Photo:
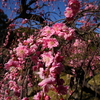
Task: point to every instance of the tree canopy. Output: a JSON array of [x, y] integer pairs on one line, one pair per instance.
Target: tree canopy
[[51, 50]]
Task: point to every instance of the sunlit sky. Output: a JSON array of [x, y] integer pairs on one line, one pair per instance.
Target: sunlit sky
[[56, 9]]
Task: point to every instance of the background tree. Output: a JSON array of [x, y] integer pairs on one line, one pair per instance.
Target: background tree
[[3, 26], [72, 45]]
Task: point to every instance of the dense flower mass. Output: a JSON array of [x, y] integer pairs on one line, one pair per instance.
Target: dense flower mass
[[46, 62], [47, 31], [47, 58], [72, 9], [69, 12], [55, 61], [74, 4], [22, 51]]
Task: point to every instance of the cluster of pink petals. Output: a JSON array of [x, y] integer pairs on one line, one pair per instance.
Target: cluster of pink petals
[[58, 58], [49, 74], [72, 9], [50, 43], [79, 43], [12, 25], [74, 4], [47, 58], [56, 69], [28, 41], [46, 81], [63, 31], [70, 35], [13, 86], [91, 6], [24, 21], [47, 31], [12, 63], [47, 62], [58, 29], [42, 73], [22, 51], [40, 95], [69, 12]]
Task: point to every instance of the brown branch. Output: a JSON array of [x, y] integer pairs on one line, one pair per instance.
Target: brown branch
[[31, 2], [23, 14], [33, 17], [91, 89], [96, 26]]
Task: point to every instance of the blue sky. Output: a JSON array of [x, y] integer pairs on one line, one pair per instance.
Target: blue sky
[[52, 8], [56, 7]]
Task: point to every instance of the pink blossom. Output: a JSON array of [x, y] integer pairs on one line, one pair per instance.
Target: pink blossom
[[91, 74], [30, 84], [79, 43], [47, 81], [33, 48], [47, 58], [28, 41], [22, 51], [47, 31], [7, 92], [38, 96], [13, 86], [74, 4], [69, 12], [58, 57], [90, 6], [41, 73], [24, 21], [51, 42], [59, 26], [12, 25], [12, 63], [76, 43], [46, 97], [37, 66], [7, 98], [13, 75], [70, 34], [56, 69]]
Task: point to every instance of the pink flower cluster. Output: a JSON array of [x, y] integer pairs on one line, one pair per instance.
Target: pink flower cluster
[[24, 21], [72, 9], [50, 75], [46, 62], [58, 29], [63, 31], [90, 6]]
